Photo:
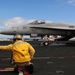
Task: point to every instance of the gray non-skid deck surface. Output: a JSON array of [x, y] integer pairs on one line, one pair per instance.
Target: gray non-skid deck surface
[[48, 60], [8, 73]]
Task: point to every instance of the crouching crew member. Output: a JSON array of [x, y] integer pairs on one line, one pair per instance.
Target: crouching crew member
[[22, 54]]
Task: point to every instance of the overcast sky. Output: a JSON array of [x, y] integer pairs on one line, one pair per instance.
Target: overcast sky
[[19, 12]]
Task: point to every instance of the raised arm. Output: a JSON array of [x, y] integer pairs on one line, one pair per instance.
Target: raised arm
[[8, 47]]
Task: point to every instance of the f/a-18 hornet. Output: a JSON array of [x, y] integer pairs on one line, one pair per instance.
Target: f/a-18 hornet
[[42, 28]]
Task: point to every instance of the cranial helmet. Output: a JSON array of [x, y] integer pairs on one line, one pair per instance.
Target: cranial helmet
[[17, 36]]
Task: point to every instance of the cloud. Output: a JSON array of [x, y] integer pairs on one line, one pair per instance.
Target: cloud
[[1, 22], [15, 21], [71, 2]]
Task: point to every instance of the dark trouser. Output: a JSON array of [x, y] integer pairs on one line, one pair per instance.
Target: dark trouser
[[27, 66]]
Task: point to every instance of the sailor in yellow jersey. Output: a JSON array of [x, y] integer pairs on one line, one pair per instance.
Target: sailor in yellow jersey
[[22, 53]]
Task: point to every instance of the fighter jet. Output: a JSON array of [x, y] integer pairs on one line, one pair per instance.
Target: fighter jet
[[42, 28]]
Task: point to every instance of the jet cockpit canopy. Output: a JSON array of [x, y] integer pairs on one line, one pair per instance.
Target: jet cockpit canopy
[[38, 22]]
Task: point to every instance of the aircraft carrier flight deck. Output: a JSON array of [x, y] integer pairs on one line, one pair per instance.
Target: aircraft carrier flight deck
[[48, 60]]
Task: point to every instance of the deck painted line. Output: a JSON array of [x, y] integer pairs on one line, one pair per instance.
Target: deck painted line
[[9, 68], [6, 69]]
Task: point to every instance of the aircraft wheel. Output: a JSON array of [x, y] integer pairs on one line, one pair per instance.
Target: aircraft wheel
[[46, 43]]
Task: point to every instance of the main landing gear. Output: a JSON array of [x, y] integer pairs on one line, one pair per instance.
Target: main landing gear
[[44, 43]]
